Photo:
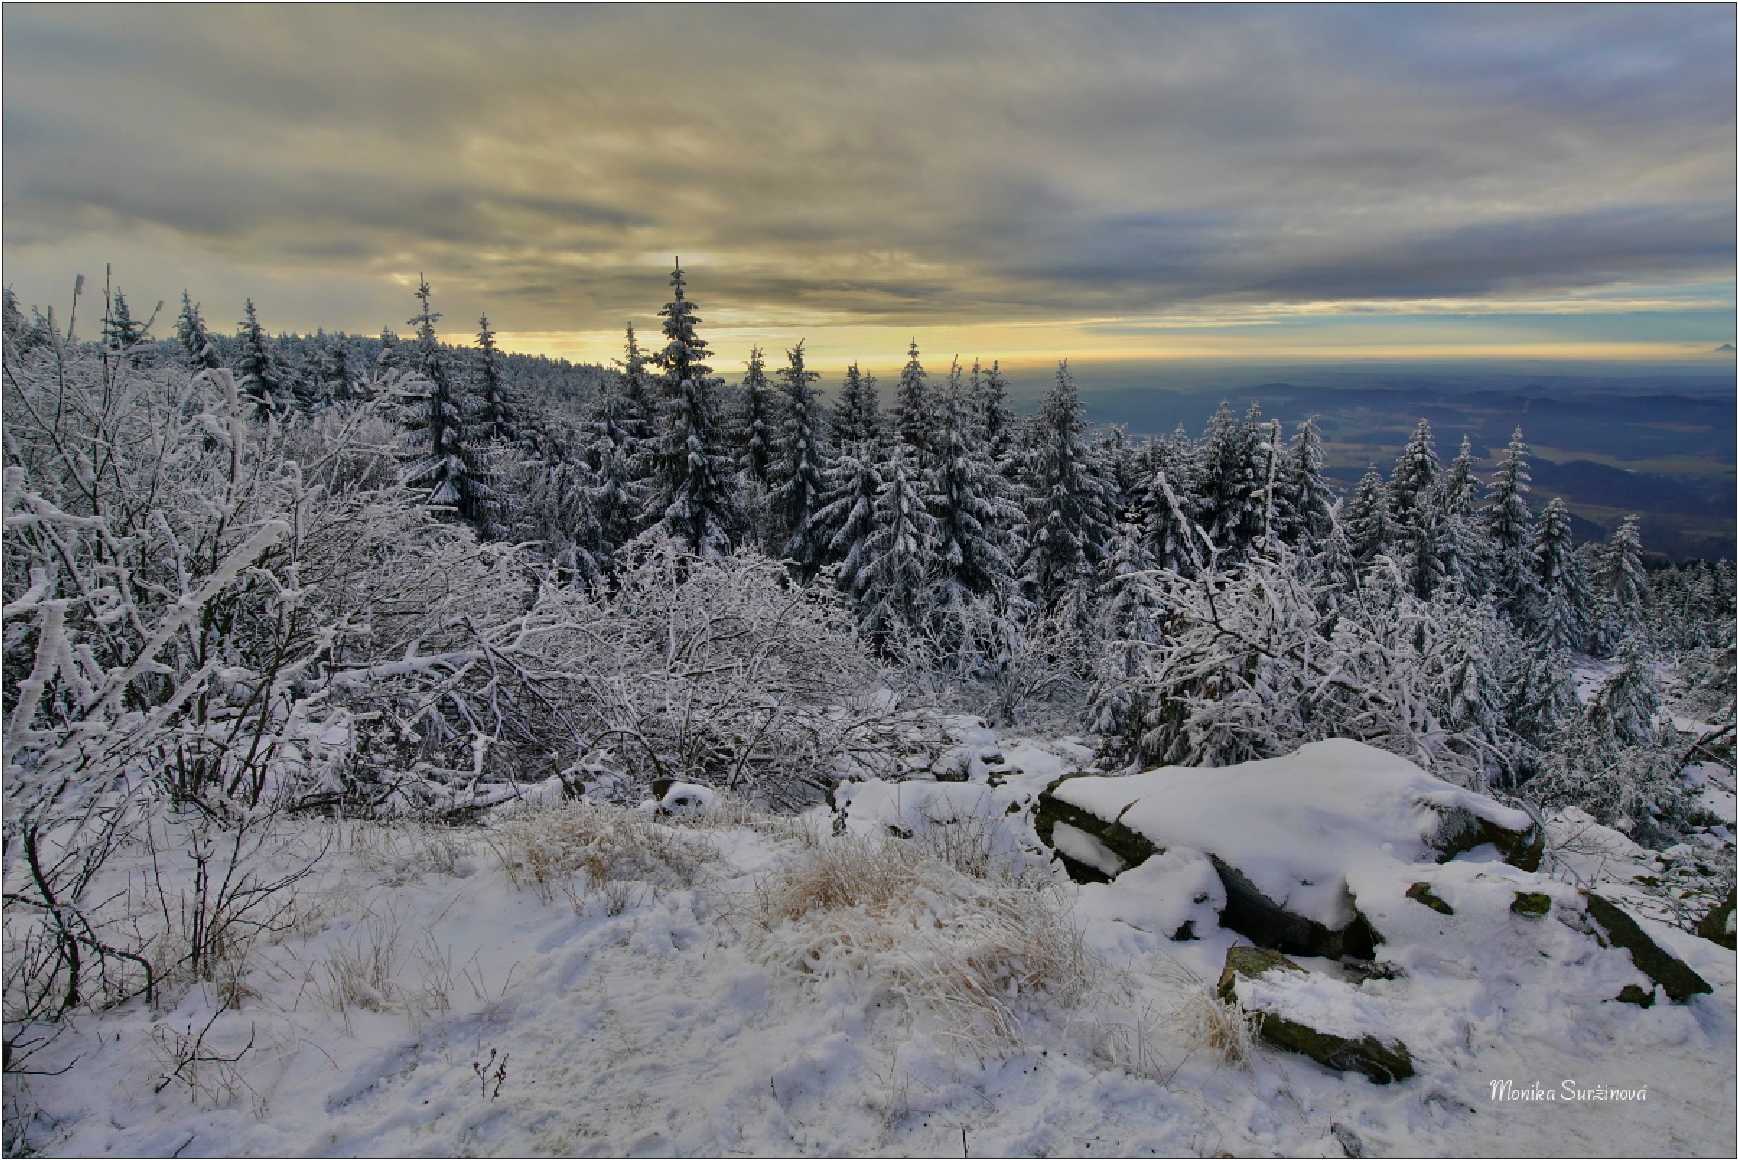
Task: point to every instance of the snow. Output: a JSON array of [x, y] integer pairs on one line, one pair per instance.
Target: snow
[[1292, 824], [667, 1018]]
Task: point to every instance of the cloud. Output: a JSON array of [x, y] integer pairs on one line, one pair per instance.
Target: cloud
[[898, 167]]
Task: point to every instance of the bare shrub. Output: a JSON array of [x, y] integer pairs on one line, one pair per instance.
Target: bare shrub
[[206, 1073], [230, 896]]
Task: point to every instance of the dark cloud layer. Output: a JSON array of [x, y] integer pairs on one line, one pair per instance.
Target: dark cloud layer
[[868, 165]]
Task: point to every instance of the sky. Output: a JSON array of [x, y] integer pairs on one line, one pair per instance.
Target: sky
[[1024, 183]]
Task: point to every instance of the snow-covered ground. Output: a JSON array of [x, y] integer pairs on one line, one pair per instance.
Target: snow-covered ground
[[699, 987]]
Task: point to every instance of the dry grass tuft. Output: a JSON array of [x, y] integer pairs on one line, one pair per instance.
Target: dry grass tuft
[[980, 953], [544, 849], [362, 972], [848, 873]]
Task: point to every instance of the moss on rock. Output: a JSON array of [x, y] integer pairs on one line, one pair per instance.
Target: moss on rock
[[1421, 892], [1680, 982], [1382, 1061]]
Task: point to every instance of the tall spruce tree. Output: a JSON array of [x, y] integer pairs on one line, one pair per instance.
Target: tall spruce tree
[[1560, 614], [259, 374], [120, 330], [194, 338], [914, 417], [847, 519], [800, 468], [442, 461], [639, 407], [495, 418], [969, 507], [857, 417], [1508, 519], [1309, 499], [691, 500], [1170, 537], [1626, 704], [1458, 495], [1368, 526], [1411, 486], [898, 562], [1133, 619], [1227, 483], [757, 425], [998, 419], [1067, 518], [1622, 578]]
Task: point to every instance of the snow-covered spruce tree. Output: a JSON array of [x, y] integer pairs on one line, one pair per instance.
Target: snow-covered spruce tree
[[970, 508], [639, 407], [1421, 543], [390, 357], [1170, 537], [557, 504], [617, 493], [801, 464], [1621, 579], [440, 463], [336, 379], [1068, 523], [495, 417], [1637, 789], [194, 338], [1412, 484], [857, 416], [1508, 518], [1559, 616], [847, 519], [121, 331], [913, 410], [1538, 697], [1625, 706], [757, 425], [690, 496], [1614, 761], [13, 324], [1458, 494], [1133, 618], [1470, 697], [997, 420], [1309, 499], [1226, 482], [261, 376], [1462, 548], [894, 577], [1124, 486], [1368, 526], [1508, 523]]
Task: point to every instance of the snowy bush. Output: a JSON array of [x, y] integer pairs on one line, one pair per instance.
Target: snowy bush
[[1253, 661]]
